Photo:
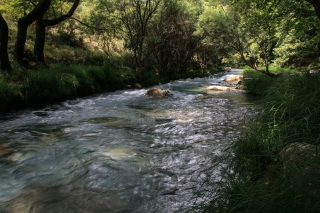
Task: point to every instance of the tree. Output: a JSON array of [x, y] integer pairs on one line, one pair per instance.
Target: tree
[[245, 28], [136, 17], [289, 36], [216, 27], [4, 59], [23, 23], [314, 3], [298, 35], [41, 26], [258, 28], [171, 43]]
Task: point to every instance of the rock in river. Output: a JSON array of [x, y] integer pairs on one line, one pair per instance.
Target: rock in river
[[158, 92], [218, 88]]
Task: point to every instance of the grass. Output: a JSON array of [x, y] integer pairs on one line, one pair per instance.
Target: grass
[[257, 83], [59, 82], [257, 180], [7, 93]]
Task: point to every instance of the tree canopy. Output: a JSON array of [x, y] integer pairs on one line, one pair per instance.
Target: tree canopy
[[170, 36]]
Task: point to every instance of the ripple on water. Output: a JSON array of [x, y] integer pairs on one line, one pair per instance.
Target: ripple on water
[[119, 151], [68, 198]]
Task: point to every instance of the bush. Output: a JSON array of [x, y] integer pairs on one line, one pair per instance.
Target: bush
[[151, 78]]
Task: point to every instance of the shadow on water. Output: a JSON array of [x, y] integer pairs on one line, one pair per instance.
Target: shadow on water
[[67, 198], [120, 151]]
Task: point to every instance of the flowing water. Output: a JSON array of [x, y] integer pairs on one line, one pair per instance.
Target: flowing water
[[120, 151]]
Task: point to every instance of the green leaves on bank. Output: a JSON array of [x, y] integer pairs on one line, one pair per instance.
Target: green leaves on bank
[[60, 82]]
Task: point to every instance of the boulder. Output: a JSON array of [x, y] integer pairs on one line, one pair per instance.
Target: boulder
[[158, 92], [137, 85], [301, 164], [314, 71], [234, 78], [4, 150], [218, 88], [239, 85]]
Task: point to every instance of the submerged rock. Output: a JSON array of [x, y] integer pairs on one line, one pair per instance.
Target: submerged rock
[[158, 92], [218, 88], [228, 69], [4, 150]]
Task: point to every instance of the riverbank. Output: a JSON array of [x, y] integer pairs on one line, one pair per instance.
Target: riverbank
[[60, 82], [275, 167]]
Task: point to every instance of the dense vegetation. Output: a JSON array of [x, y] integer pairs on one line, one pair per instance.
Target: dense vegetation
[[167, 37], [54, 50]]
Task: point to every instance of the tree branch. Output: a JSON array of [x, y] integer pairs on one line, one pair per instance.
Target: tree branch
[[93, 27]]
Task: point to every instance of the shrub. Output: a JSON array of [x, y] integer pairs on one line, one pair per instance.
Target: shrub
[[151, 78]]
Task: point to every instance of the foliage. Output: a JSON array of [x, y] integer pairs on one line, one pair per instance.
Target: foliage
[[216, 26], [171, 40], [150, 78], [298, 39], [170, 37]]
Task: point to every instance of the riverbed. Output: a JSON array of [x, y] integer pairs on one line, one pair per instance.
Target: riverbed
[[121, 151]]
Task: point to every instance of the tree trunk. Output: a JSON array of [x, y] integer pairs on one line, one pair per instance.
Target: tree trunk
[[4, 58], [40, 40], [23, 24], [42, 24]]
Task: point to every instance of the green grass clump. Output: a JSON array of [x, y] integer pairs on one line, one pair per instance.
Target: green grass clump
[[257, 83], [293, 105], [48, 84], [7, 94], [240, 196]]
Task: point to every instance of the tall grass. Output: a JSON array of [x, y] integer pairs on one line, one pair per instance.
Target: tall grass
[[257, 181], [61, 81], [8, 93], [46, 84]]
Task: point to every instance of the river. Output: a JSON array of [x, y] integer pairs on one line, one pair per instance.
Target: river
[[120, 151]]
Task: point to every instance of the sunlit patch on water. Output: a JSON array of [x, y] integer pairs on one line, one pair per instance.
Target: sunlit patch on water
[[120, 151]]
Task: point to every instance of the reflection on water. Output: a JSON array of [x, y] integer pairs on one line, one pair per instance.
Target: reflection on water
[[119, 151]]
